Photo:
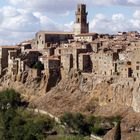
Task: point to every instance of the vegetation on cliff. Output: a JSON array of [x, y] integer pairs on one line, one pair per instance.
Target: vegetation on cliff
[[80, 124]]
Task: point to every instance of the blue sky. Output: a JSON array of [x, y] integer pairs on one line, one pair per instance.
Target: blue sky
[[21, 19]]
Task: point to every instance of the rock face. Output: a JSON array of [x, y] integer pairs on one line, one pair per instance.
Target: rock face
[[81, 92], [30, 86], [89, 94], [110, 135]]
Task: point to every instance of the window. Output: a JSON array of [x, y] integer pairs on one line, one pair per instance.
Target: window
[[78, 20], [39, 36], [137, 67], [78, 9]]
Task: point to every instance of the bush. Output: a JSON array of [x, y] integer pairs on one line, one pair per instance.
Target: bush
[[77, 122], [39, 65], [98, 131], [67, 119], [84, 125], [18, 124], [9, 99]]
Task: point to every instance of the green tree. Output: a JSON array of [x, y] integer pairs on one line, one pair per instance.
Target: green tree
[[9, 99], [76, 122], [18, 124]]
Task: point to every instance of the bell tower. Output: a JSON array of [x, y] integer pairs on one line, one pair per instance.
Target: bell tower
[[81, 25]]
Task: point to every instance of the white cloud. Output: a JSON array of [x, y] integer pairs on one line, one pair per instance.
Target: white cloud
[[66, 5], [25, 17], [136, 15], [53, 6], [19, 24], [118, 17], [118, 22], [136, 2]]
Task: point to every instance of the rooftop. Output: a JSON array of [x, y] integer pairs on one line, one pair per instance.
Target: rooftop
[[57, 33], [87, 34], [10, 47]]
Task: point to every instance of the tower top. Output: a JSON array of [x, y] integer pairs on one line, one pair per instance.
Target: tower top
[[81, 25]]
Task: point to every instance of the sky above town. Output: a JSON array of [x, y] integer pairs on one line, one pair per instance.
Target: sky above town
[[21, 19]]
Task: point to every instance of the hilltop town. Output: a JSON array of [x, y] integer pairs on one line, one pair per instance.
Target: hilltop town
[[53, 55], [67, 71], [93, 53], [100, 55]]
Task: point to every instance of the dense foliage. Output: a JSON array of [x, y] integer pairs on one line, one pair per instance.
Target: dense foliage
[[86, 125], [18, 124]]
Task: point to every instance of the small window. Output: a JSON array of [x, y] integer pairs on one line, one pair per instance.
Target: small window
[[39, 36], [137, 67], [78, 9]]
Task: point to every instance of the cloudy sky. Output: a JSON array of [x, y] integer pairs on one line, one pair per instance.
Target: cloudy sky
[[21, 19]]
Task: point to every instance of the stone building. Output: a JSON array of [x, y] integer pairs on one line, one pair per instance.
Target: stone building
[[88, 37], [4, 56], [50, 62], [16, 66], [136, 63], [44, 39], [26, 45], [66, 63], [124, 69], [85, 63], [103, 63]]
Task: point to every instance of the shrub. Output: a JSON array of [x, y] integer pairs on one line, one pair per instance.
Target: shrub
[[39, 65], [9, 99], [98, 131], [18, 124], [76, 122]]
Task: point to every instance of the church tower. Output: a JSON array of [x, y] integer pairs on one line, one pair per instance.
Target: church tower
[[81, 25]]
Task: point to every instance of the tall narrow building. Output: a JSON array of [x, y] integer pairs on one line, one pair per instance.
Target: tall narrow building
[[81, 25]]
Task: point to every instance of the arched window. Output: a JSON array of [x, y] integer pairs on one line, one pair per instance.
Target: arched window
[[78, 9], [78, 20]]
